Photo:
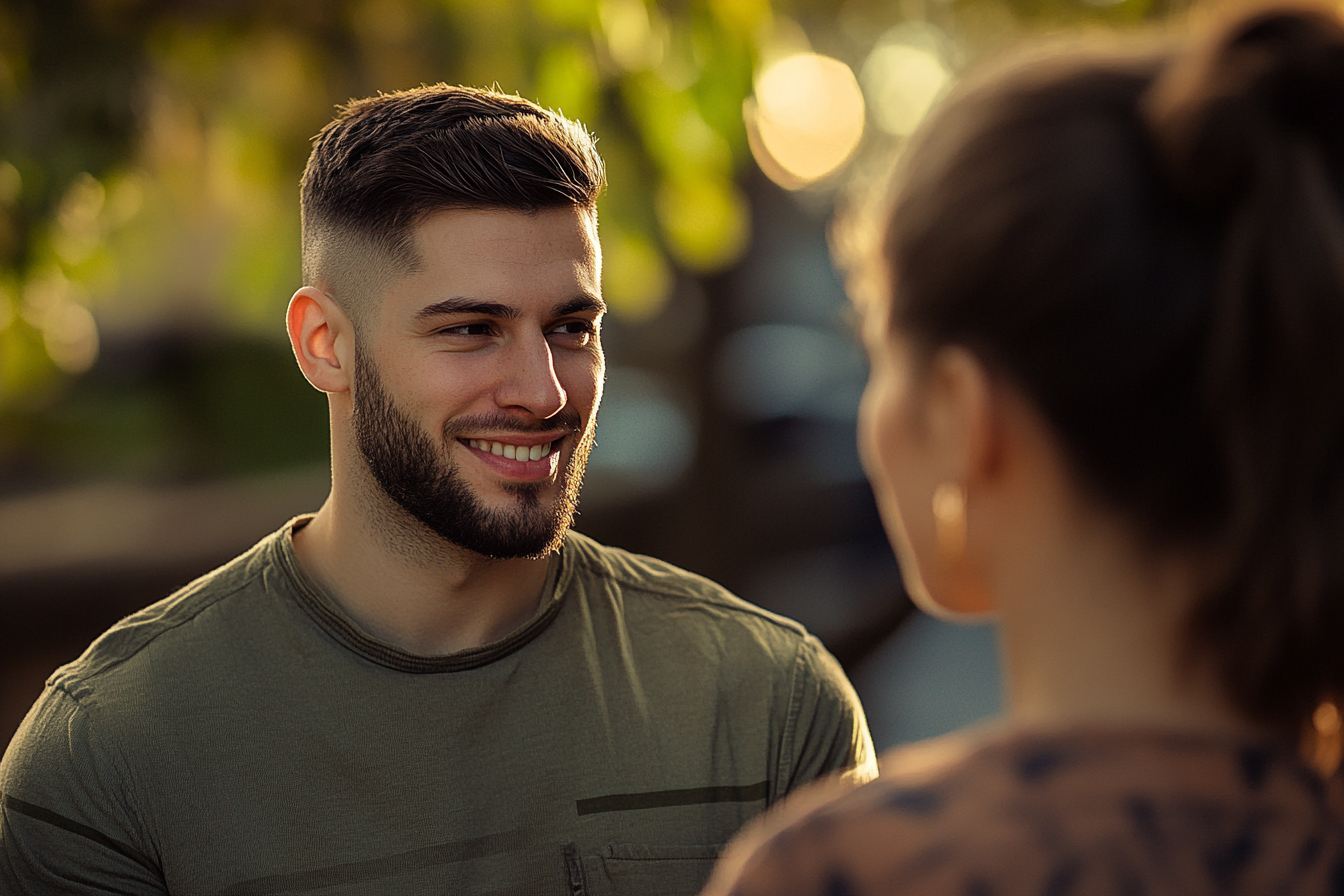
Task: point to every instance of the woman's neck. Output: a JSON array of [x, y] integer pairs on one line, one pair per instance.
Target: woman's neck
[[1092, 633]]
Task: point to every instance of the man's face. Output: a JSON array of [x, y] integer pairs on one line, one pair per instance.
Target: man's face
[[478, 379]]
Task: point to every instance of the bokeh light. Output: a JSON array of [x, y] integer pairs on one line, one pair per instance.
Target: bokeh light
[[11, 183], [786, 370], [805, 119], [69, 332], [634, 39], [636, 278], [903, 76], [645, 438], [71, 337], [705, 221]]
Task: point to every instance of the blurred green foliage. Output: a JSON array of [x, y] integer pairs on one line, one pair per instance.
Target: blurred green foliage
[[150, 152]]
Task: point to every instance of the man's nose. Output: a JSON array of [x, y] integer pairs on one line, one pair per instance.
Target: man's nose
[[529, 381]]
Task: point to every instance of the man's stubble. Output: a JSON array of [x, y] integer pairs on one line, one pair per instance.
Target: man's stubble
[[413, 470]]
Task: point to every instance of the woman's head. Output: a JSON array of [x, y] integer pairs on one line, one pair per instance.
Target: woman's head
[[1149, 247]]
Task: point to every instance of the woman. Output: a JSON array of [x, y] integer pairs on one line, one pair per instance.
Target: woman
[[1107, 404]]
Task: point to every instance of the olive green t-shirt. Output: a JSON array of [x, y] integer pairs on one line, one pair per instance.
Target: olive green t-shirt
[[243, 736]]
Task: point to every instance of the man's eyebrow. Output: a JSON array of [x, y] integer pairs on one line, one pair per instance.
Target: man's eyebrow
[[582, 304], [462, 305]]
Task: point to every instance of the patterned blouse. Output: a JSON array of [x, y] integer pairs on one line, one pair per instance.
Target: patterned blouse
[[1082, 813]]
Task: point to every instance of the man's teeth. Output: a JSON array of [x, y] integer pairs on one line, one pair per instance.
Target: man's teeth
[[512, 452]]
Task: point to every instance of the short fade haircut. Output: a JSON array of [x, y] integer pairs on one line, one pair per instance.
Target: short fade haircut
[[389, 161]]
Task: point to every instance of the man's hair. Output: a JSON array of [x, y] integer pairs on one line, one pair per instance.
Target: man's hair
[[389, 161]]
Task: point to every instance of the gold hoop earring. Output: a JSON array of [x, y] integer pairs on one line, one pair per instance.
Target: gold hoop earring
[[949, 516]]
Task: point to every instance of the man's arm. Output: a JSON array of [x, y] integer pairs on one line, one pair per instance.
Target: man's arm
[[67, 825], [827, 729], [827, 752]]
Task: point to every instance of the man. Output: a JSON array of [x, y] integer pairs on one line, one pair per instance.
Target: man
[[431, 685]]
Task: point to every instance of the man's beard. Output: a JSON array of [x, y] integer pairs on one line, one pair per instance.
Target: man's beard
[[414, 472]]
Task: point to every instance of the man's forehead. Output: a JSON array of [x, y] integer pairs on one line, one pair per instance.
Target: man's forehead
[[516, 263]]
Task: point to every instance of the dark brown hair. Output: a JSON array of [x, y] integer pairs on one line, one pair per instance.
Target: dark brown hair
[[1150, 244], [388, 161]]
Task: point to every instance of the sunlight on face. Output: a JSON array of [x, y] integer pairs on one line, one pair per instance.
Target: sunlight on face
[[489, 368], [884, 434]]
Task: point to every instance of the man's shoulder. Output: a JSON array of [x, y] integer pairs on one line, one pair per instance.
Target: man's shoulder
[[157, 630], [663, 587]]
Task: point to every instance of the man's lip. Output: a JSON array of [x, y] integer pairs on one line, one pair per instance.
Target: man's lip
[[532, 461]]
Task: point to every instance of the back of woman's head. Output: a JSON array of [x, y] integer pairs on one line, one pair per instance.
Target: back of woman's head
[[1150, 245]]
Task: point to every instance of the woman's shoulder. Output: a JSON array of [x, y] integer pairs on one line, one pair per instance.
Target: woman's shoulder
[[1076, 811], [805, 830]]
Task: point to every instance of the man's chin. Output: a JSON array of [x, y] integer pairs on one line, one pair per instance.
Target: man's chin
[[511, 542], [527, 524]]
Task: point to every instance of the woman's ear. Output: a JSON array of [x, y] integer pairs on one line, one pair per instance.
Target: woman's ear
[[965, 429], [963, 415], [322, 338]]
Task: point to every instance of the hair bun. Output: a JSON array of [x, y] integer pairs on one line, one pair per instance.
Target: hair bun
[[1223, 112]]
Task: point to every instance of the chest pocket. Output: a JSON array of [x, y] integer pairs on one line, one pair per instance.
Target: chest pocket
[[642, 869], [667, 860]]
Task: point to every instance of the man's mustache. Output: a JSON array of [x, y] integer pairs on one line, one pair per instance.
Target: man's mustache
[[567, 420]]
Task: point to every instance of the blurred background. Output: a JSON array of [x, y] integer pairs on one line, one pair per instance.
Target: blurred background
[[153, 423]]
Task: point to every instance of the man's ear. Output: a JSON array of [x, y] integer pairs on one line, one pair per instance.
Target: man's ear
[[322, 338]]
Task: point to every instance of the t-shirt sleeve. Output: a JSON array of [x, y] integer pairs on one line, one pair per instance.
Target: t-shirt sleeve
[[828, 731], [68, 823]]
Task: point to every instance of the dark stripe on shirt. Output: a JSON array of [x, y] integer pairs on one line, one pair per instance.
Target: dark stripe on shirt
[[74, 827], [690, 796], [367, 870]]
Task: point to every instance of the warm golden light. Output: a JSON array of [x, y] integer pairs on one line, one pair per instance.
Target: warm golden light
[[71, 337], [68, 328], [636, 278], [805, 119], [1324, 742], [1326, 719], [901, 82], [632, 39]]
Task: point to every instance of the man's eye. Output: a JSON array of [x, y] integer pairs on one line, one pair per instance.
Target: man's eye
[[467, 330], [575, 328]]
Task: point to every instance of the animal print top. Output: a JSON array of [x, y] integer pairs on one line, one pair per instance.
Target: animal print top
[[1082, 813]]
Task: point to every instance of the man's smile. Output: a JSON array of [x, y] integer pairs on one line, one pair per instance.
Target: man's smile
[[512, 451], [519, 457]]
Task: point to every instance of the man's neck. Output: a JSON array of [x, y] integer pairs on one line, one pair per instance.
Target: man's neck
[[414, 592]]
